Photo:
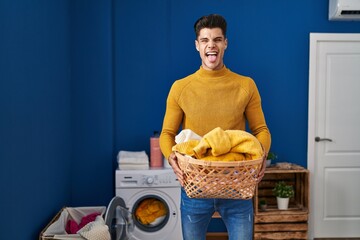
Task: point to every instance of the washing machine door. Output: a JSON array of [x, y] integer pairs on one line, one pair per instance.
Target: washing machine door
[[151, 213], [119, 220]]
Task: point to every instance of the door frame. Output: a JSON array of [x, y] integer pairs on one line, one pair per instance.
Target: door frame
[[313, 74]]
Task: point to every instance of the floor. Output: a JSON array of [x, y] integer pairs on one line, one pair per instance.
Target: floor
[[221, 237], [215, 236]]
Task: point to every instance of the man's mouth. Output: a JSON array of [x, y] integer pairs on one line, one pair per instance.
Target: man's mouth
[[211, 56]]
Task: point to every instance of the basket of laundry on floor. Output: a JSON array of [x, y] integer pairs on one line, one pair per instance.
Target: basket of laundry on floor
[[221, 164]]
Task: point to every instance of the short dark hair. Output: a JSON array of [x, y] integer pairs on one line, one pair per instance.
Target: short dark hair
[[210, 21]]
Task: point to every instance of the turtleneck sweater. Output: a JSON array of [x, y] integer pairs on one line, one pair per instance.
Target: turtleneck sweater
[[206, 100]]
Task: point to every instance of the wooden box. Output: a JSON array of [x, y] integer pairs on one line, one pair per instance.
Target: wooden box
[[282, 224]]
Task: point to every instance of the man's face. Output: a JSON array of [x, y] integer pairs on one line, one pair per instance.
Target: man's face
[[211, 45]]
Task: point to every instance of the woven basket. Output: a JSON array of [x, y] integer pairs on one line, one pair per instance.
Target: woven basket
[[217, 179]]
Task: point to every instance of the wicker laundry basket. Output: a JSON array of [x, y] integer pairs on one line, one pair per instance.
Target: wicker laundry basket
[[217, 179]]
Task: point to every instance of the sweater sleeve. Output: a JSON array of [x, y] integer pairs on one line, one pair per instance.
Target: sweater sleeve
[[171, 123], [256, 119]]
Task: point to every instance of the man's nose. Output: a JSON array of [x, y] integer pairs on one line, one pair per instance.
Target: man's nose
[[212, 44]]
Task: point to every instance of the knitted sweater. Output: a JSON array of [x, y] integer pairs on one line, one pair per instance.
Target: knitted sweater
[[206, 99]]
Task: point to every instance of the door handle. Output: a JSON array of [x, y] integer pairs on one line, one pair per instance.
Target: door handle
[[319, 139]]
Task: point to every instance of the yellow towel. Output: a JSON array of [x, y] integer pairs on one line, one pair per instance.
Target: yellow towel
[[149, 210], [217, 141], [220, 145]]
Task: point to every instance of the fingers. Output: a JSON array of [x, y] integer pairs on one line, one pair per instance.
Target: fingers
[[175, 166], [260, 177], [180, 179], [262, 170]]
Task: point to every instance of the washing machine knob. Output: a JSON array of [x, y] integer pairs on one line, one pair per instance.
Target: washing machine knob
[[149, 180]]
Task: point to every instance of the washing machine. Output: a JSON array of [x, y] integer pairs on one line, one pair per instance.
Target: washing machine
[[146, 191]]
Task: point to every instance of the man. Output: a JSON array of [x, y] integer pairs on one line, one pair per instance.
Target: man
[[213, 97]]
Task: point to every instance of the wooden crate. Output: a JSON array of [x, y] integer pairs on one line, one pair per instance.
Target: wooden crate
[[282, 224]]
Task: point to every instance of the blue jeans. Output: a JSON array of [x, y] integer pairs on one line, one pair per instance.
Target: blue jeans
[[196, 215]]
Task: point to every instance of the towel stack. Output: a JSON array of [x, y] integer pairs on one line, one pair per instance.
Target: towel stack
[[130, 160]]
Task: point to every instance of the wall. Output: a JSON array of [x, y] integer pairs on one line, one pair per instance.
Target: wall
[[35, 121], [92, 107], [142, 63], [56, 124]]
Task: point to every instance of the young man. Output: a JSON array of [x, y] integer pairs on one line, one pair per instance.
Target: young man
[[213, 97]]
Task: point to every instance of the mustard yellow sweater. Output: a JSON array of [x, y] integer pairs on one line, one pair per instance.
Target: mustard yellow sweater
[[206, 99]]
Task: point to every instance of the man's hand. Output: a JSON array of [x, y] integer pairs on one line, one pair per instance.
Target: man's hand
[[173, 161], [262, 170]]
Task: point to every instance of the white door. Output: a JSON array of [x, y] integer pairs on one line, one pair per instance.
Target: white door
[[334, 135]]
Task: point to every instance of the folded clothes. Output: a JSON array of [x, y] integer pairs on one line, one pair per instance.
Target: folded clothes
[[132, 157], [134, 166]]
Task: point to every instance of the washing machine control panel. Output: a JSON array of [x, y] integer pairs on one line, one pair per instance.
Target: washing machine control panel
[[156, 180], [146, 178]]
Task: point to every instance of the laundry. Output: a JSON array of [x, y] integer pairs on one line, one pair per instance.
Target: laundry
[[58, 227], [137, 160], [150, 210], [72, 226], [95, 230], [186, 135], [220, 145]]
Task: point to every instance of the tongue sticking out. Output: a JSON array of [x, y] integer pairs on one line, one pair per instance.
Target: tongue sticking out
[[212, 58]]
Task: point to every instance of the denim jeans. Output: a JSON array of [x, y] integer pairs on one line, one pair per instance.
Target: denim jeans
[[196, 215]]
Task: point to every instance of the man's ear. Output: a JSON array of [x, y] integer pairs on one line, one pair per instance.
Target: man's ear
[[197, 45], [226, 43]]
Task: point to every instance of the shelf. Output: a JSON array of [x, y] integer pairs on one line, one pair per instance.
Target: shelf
[[282, 224], [297, 176]]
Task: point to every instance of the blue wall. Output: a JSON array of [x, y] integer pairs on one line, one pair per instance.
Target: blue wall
[[92, 105], [35, 121], [83, 79]]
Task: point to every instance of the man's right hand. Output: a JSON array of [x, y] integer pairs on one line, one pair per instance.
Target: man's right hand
[[173, 161]]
